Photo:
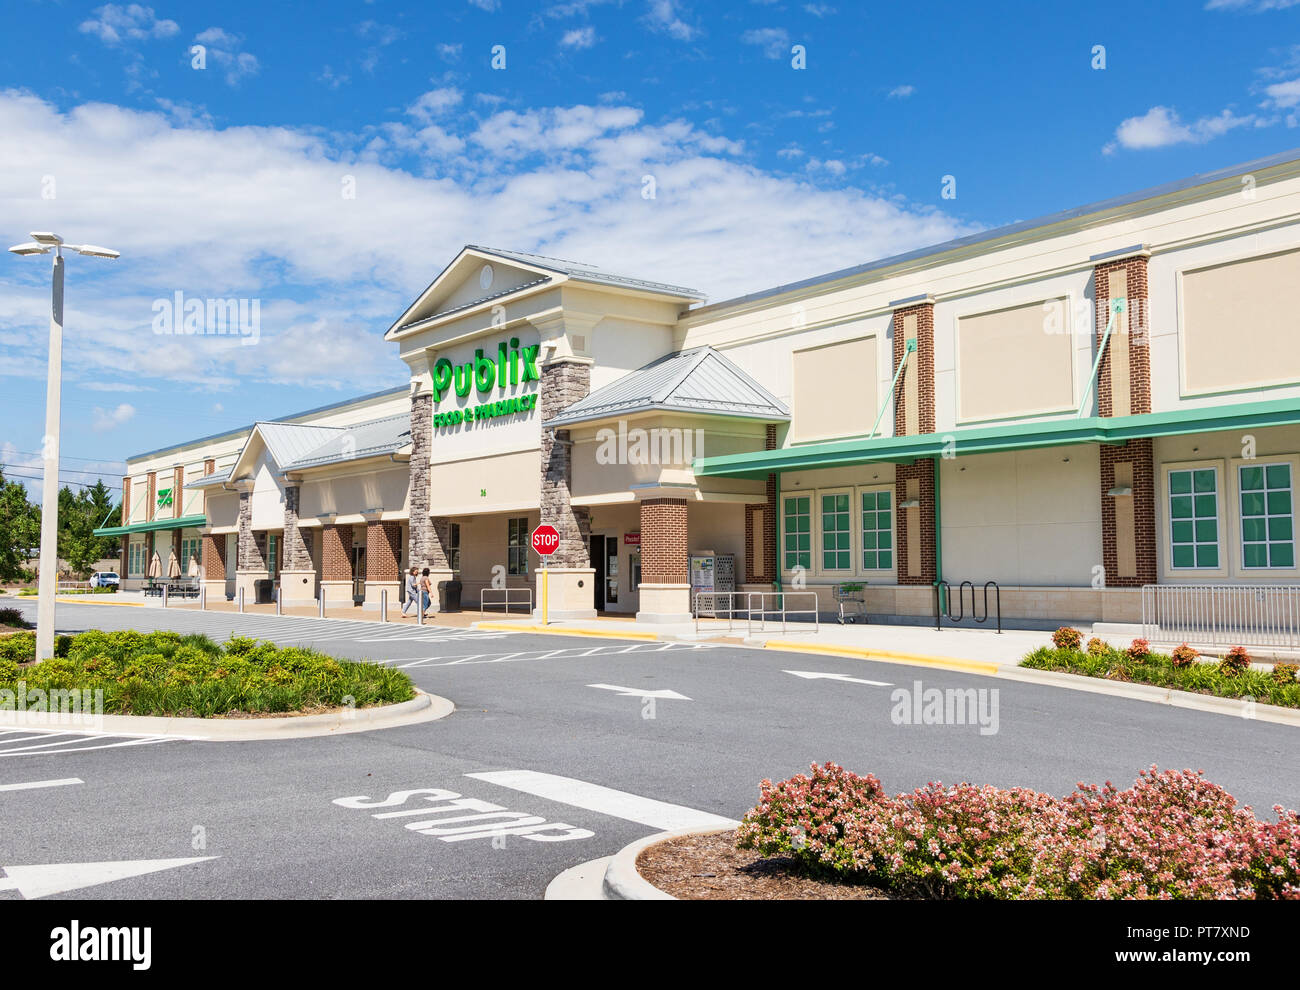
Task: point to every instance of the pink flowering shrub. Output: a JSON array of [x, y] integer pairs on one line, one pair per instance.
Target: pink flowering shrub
[[1097, 647], [1172, 835], [1066, 638], [1183, 655], [1284, 673]]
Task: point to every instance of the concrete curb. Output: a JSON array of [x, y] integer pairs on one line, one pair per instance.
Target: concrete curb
[[89, 600], [579, 883], [422, 708], [623, 882], [1251, 711], [884, 656], [645, 637]]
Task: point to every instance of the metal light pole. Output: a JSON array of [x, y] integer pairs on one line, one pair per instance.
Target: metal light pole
[[45, 243]]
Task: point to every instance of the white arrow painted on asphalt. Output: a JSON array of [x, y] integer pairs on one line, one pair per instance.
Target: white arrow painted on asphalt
[[59, 878], [813, 675], [640, 693]]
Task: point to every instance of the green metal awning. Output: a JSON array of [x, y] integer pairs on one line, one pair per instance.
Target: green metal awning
[[183, 522], [996, 439]]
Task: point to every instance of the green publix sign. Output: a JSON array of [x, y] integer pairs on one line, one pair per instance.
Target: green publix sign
[[512, 366]]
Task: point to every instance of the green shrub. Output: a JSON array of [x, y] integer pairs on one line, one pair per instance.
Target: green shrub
[[1066, 638], [165, 673], [1284, 673], [1236, 661], [13, 617], [1097, 647]]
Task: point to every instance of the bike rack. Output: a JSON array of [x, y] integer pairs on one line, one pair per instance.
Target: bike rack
[[945, 610]]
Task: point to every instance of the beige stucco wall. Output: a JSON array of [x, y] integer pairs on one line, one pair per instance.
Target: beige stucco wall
[[1022, 518], [362, 489], [1014, 343]]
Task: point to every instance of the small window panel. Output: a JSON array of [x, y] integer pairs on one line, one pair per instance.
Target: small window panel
[[877, 531], [517, 547], [836, 555], [1193, 519], [798, 532], [1267, 519]]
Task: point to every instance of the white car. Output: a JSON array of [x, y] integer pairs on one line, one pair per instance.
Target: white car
[[104, 579]]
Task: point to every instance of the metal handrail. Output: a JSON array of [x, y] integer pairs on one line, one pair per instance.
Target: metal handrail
[[752, 603], [1222, 615], [944, 610], [505, 602]]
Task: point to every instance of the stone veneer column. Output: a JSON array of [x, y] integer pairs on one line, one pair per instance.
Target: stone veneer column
[[383, 560], [298, 577], [914, 414], [572, 578], [428, 535], [336, 564], [1128, 522], [251, 563], [665, 592]]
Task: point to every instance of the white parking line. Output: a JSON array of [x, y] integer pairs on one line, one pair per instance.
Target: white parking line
[[34, 784], [604, 800]]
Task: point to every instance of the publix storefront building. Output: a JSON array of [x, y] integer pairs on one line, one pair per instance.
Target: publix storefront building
[[1074, 407]]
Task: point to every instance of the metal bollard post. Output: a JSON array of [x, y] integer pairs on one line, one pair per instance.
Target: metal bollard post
[[241, 601], [320, 603], [203, 598], [164, 596], [383, 604], [419, 607], [278, 607]]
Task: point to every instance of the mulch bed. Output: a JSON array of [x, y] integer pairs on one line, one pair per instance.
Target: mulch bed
[[711, 868]]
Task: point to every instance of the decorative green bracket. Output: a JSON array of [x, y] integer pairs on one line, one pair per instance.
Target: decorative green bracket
[[902, 366], [1116, 307]]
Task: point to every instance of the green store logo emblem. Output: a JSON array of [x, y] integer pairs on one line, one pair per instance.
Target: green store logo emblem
[[513, 366], [164, 497]]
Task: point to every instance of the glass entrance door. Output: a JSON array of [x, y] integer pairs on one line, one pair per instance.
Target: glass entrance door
[[358, 574]]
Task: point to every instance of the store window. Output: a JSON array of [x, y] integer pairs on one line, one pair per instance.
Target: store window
[[877, 531], [517, 546], [453, 546], [135, 563], [189, 551], [1267, 520], [798, 532], [1194, 518], [836, 555], [271, 556]]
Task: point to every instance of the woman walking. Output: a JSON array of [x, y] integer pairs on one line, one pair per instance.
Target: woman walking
[[426, 589], [412, 589]]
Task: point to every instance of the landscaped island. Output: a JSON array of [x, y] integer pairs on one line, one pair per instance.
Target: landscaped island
[[166, 673], [1173, 834], [1181, 669]]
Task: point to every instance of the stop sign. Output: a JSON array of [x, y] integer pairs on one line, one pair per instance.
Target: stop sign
[[545, 540]]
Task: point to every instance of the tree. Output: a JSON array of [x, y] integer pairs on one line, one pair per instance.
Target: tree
[[79, 517], [20, 530]]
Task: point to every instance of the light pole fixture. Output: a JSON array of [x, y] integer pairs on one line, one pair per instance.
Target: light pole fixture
[[43, 242]]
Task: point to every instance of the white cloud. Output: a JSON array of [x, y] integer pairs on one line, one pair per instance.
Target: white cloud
[[263, 213], [114, 24], [223, 48], [775, 42], [902, 92], [1253, 6], [819, 9], [662, 16], [579, 38], [488, 5], [1161, 127], [109, 419], [448, 52], [435, 103]]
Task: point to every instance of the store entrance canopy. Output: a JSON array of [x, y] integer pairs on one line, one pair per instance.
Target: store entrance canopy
[[183, 522]]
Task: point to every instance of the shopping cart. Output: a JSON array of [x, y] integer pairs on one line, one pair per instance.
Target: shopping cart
[[851, 599]]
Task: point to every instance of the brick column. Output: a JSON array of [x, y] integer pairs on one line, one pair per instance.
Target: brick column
[[915, 552], [914, 398], [769, 507], [125, 521], [336, 564], [665, 592], [153, 497], [178, 483], [383, 557], [212, 558], [1128, 522]]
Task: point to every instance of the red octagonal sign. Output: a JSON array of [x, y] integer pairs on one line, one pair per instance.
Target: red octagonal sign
[[545, 540]]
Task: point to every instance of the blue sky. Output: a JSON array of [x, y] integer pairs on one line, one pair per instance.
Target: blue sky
[[225, 175]]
